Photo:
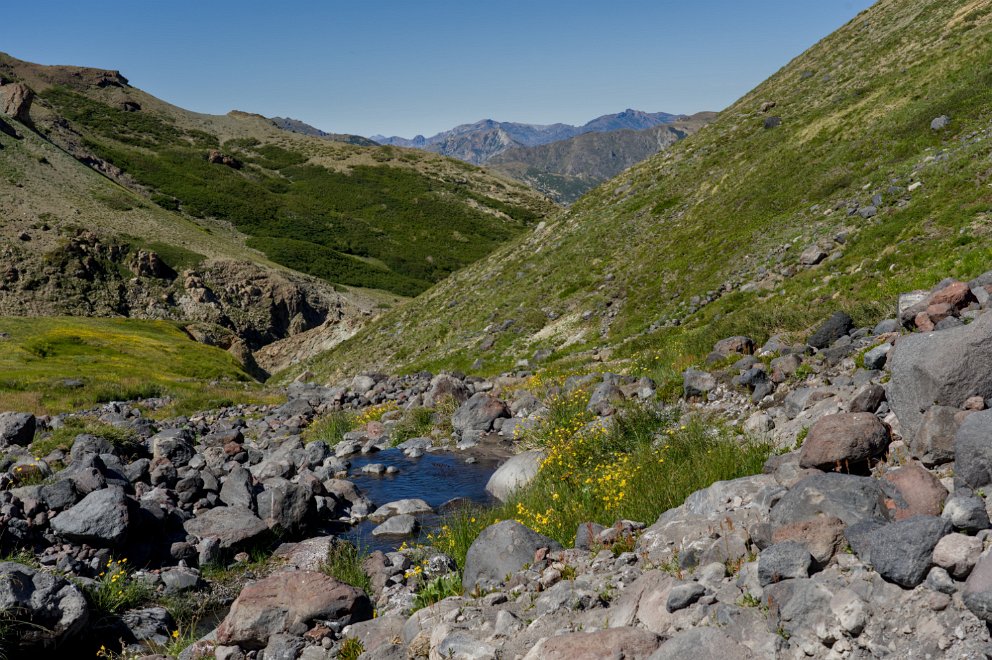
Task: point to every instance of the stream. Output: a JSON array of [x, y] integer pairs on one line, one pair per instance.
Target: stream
[[435, 477]]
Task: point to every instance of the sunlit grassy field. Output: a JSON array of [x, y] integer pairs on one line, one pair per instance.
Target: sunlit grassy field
[[53, 365]]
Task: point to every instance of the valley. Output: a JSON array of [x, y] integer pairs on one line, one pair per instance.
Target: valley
[[655, 386]]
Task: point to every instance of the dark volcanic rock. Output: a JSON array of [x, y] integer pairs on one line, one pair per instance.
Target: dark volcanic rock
[[901, 551], [832, 329], [101, 518], [41, 611], [844, 441]]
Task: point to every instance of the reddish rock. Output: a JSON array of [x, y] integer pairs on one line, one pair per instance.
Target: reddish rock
[[918, 492], [844, 442], [15, 100], [974, 403], [939, 311], [923, 322], [290, 601], [823, 536], [956, 295], [375, 430], [730, 345]]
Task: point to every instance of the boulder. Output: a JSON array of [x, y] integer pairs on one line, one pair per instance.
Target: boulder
[[835, 327], [740, 345], [701, 643], [232, 526], [845, 441], [940, 368], [933, 442], [822, 536], [285, 506], [627, 643], [604, 398], [290, 601], [500, 550], [101, 519], [977, 592], [479, 413], [901, 552], [41, 611], [783, 561], [401, 525], [957, 554], [848, 497], [877, 357], [237, 489], [913, 491], [966, 511], [515, 473], [696, 383], [16, 429], [867, 399], [683, 595], [15, 101], [444, 387], [410, 506], [973, 450], [940, 123]]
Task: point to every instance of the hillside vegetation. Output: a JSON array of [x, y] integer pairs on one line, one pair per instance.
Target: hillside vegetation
[[704, 240], [356, 215]]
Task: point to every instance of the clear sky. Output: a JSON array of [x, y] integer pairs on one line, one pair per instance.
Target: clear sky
[[402, 67]]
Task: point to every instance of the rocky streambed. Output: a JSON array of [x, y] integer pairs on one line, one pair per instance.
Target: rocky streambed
[[867, 535]]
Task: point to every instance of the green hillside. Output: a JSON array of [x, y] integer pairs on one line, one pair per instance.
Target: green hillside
[[374, 217], [704, 240]]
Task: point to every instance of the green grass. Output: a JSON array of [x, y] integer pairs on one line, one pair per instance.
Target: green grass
[[116, 590], [330, 428], [437, 590], [344, 564], [351, 649], [124, 440], [113, 359], [642, 466], [735, 198], [415, 423]]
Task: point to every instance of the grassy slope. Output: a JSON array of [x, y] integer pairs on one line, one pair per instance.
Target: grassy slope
[[113, 360], [362, 216], [734, 198]]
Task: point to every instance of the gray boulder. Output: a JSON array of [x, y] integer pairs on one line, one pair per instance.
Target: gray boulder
[[500, 550], [940, 123], [848, 497], [410, 507], [702, 643], [933, 442], [232, 526], [835, 327], [401, 525], [16, 429], [977, 593], [966, 511], [683, 595], [940, 368], [604, 398], [176, 445], [515, 473], [479, 413], [901, 552], [285, 506], [973, 450], [237, 489], [43, 611], [101, 518], [783, 561], [867, 399], [696, 383]]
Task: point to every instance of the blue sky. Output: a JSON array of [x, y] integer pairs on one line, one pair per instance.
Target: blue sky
[[420, 66]]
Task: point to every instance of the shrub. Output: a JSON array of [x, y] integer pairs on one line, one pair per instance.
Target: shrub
[[437, 590]]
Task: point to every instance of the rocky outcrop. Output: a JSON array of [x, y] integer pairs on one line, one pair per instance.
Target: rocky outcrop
[[15, 101], [41, 612]]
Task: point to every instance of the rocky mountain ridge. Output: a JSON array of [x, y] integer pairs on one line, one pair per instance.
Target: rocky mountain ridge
[[478, 142], [567, 169]]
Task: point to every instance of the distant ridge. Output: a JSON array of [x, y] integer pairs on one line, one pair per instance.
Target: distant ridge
[[297, 126], [478, 142]]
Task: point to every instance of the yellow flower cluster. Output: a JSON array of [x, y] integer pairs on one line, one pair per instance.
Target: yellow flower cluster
[[374, 413]]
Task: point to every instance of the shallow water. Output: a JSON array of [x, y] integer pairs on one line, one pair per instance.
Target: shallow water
[[435, 477]]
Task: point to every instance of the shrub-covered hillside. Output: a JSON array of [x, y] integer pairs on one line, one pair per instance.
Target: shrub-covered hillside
[[828, 186]]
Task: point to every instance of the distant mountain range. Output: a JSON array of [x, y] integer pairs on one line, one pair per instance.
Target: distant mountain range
[[566, 169], [477, 143]]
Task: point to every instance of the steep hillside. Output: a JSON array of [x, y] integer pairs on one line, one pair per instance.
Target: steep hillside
[[115, 203], [567, 169], [478, 142], [859, 170]]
